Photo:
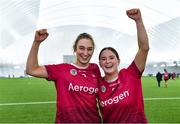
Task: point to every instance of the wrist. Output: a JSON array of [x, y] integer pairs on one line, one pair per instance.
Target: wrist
[[139, 22], [36, 43]]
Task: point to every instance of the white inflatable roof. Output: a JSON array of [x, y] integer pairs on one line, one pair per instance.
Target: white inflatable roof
[[105, 20]]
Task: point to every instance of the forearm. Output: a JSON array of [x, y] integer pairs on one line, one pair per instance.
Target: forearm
[[143, 42]]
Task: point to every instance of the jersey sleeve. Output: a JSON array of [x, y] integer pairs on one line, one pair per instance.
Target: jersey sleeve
[[52, 72], [133, 69], [97, 72]]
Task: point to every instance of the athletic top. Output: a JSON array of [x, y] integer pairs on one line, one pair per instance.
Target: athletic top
[[166, 76], [121, 101], [76, 92]]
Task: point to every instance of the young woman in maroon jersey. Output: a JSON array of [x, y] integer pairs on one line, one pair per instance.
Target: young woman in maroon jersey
[[166, 78], [120, 92], [76, 84]]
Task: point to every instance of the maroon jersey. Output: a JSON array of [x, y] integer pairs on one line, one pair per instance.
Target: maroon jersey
[[121, 101], [76, 92], [166, 76]]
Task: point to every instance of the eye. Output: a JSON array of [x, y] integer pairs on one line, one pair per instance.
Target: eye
[[90, 49], [81, 48], [103, 59], [112, 57]]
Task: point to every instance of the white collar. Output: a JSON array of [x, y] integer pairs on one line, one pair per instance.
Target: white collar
[[80, 67]]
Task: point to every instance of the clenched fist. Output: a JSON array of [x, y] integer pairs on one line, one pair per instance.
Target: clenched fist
[[134, 14], [41, 35]]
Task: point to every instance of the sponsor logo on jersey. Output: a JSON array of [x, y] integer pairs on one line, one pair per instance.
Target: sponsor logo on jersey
[[79, 88], [73, 72], [115, 99]]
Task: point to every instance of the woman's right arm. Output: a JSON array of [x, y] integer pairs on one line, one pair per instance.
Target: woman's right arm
[[32, 66]]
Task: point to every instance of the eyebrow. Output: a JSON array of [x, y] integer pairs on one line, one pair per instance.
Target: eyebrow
[[103, 57], [109, 56], [86, 47]]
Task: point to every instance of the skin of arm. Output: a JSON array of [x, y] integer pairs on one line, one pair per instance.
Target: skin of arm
[[32, 66], [143, 42]]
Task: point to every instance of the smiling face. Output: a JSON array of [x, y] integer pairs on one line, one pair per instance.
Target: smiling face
[[109, 61], [84, 51], [84, 48]]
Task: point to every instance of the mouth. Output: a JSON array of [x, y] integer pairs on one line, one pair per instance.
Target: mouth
[[85, 58], [108, 66]]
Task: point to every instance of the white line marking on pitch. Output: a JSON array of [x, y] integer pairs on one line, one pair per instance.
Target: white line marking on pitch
[[50, 102], [26, 103], [169, 98]]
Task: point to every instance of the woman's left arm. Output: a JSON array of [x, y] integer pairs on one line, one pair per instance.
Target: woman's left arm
[[143, 43]]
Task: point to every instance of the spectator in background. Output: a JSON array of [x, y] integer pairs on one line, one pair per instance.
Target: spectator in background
[[177, 75], [173, 75], [159, 78], [166, 77]]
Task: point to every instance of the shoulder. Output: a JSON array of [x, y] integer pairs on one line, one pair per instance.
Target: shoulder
[[122, 73], [130, 71], [102, 82], [93, 65], [57, 66], [134, 69]]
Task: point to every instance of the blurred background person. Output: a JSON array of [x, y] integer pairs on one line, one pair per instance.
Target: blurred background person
[[166, 78], [159, 78]]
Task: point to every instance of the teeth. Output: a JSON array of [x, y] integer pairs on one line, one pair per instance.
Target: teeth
[[109, 66]]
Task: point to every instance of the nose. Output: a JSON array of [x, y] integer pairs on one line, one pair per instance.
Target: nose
[[86, 52], [107, 60]]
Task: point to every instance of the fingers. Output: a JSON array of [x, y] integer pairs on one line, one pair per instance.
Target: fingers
[[42, 32], [41, 35], [132, 11]]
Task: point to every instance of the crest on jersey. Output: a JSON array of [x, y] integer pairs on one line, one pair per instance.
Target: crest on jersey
[[103, 89], [73, 72]]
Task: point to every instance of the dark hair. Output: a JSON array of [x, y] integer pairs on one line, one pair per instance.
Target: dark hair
[[111, 49], [82, 36]]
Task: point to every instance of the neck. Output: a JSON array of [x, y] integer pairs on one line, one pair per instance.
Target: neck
[[111, 77], [83, 66]]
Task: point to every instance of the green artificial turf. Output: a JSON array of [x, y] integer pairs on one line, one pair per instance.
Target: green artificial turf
[[162, 105]]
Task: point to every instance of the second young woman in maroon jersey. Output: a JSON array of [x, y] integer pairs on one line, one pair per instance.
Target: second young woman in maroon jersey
[[120, 92]]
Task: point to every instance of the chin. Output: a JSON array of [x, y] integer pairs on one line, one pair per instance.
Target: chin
[[85, 62], [108, 72]]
